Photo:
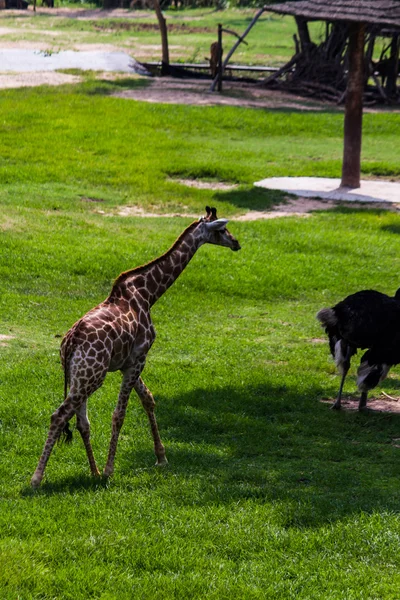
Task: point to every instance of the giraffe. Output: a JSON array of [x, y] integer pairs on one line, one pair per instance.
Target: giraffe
[[117, 335]]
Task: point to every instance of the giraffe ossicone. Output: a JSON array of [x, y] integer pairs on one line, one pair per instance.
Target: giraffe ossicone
[[116, 335]]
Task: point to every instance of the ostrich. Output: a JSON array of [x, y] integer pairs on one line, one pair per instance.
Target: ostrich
[[368, 320]]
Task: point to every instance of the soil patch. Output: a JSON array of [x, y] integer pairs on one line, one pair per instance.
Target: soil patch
[[170, 90], [295, 207], [93, 14], [135, 211], [304, 207], [89, 199], [16, 80], [382, 404], [5, 338], [206, 185], [134, 26], [83, 14]]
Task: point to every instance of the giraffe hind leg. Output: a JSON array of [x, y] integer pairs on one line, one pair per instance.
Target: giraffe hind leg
[[117, 422], [148, 403], [58, 421]]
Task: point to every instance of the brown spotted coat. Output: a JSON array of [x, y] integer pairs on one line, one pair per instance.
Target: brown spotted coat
[[117, 335]]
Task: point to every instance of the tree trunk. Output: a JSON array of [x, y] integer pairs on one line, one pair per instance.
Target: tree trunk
[[354, 108], [164, 37], [304, 35]]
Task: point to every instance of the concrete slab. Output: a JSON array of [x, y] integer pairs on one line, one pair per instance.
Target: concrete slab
[[329, 189], [22, 60]]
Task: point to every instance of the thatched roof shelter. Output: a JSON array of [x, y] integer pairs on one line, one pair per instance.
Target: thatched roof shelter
[[382, 12], [358, 14]]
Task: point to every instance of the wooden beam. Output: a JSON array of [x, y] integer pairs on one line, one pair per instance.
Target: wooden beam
[[354, 108]]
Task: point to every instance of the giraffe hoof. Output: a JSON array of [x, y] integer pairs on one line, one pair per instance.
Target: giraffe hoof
[[36, 481], [161, 462], [108, 472]]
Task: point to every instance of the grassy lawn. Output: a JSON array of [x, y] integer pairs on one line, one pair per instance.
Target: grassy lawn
[[268, 493]]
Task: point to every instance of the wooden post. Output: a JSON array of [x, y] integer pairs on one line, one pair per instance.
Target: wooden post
[[393, 66], [354, 107], [219, 64], [368, 58], [239, 41]]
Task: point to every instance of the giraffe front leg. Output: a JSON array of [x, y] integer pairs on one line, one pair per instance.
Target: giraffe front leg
[[57, 423], [148, 403], [117, 422]]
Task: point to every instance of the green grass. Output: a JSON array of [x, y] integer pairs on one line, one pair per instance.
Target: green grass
[[57, 150], [268, 493]]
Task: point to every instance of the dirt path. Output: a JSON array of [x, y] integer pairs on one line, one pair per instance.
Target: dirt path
[[170, 90], [382, 404], [293, 207]]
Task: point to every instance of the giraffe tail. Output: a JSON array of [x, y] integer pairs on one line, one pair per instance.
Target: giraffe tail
[[66, 433]]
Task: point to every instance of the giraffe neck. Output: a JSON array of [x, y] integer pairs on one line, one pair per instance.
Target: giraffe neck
[[154, 278]]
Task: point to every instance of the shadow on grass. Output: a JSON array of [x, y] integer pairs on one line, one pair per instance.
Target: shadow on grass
[[276, 444], [395, 229], [245, 196], [362, 207], [267, 444], [380, 169], [391, 384], [253, 199], [71, 484], [104, 87]]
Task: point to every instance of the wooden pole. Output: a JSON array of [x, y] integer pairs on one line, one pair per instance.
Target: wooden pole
[[354, 108], [219, 65], [393, 66]]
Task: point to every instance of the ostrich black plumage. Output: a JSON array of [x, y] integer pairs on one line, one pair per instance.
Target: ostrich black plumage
[[367, 320]]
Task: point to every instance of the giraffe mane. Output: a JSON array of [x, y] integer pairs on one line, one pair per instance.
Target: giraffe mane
[[137, 270]]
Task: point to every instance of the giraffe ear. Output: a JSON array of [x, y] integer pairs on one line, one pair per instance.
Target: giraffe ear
[[217, 225]]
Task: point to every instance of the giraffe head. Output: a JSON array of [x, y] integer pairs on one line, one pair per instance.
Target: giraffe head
[[215, 232]]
